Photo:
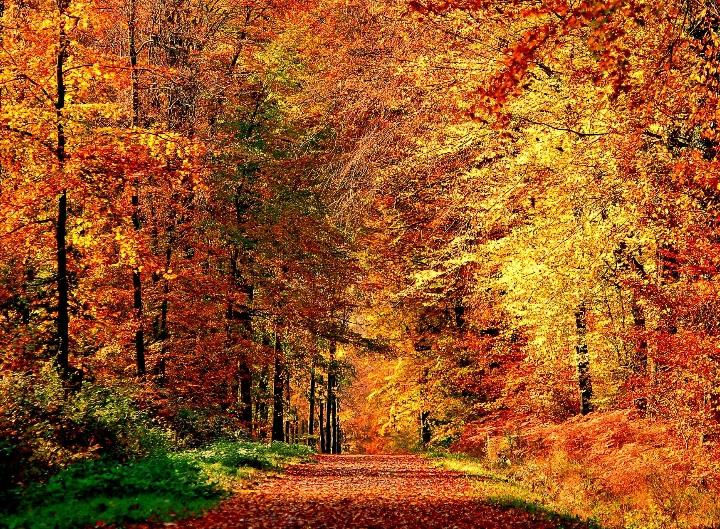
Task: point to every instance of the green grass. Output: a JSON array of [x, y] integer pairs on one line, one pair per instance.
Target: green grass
[[496, 488], [160, 488], [469, 466], [235, 464], [563, 519]]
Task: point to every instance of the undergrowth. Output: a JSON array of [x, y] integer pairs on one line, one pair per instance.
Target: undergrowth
[[162, 487], [234, 465], [618, 467], [496, 487]]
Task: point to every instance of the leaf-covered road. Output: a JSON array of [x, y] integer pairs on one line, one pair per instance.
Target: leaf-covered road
[[364, 492]]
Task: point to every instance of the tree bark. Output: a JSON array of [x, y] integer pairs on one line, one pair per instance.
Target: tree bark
[[63, 314], [137, 295], [328, 405], [261, 408], [425, 432], [640, 356], [311, 412], [163, 333], [242, 315], [323, 448], [278, 395], [137, 280], [134, 74], [336, 427], [245, 376], [139, 333], [583, 361]]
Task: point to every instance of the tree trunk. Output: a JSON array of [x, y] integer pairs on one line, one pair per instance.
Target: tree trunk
[[245, 376], [323, 448], [137, 294], [139, 334], [244, 371], [261, 408], [329, 418], [425, 432], [336, 428], [63, 315], [311, 412], [640, 357], [287, 406], [137, 280], [163, 333], [134, 74], [244, 317], [278, 395], [583, 361]]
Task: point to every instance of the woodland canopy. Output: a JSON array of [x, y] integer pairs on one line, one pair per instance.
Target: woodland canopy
[[476, 225]]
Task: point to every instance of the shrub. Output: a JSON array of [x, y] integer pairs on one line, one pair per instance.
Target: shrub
[[197, 427], [43, 431], [11, 465]]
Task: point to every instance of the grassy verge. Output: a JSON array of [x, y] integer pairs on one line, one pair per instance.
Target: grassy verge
[[160, 488], [236, 465], [494, 486]]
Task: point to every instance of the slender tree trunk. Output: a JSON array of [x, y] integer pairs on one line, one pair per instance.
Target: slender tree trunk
[[134, 73], [235, 386], [63, 313], [139, 333], [311, 412], [336, 427], [63, 318], [244, 371], [323, 448], [329, 438], [287, 406], [640, 357], [164, 333], [328, 415], [583, 361], [245, 376], [137, 301], [278, 394], [137, 280], [242, 315], [261, 406], [425, 432]]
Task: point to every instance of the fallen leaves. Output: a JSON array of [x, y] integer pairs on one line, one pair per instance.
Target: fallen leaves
[[364, 491]]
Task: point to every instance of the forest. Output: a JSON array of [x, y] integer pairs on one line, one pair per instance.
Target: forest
[[235, 234]]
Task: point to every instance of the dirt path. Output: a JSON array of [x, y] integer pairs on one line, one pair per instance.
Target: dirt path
[[363, 492]]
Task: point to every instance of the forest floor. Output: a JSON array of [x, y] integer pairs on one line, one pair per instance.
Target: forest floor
[[367, 491]]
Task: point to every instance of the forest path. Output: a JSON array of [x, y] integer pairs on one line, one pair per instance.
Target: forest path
[[364, 491]]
